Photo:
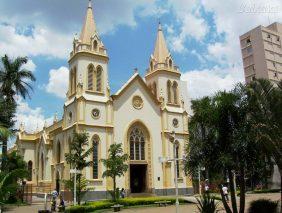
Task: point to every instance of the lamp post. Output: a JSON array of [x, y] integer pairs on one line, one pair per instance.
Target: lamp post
[[75, 172], [172, 139]]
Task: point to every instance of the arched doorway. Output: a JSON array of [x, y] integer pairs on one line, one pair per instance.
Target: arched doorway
[[58, 182], [138, 140], [29, 168]]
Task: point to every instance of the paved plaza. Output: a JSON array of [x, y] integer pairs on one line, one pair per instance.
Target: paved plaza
[[183, 208]]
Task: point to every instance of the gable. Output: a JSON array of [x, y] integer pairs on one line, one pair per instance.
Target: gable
[[137, 81]]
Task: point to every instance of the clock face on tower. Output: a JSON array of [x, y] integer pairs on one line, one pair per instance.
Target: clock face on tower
[[96, 113]]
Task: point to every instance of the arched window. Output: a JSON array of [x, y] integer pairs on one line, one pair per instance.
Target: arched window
[[168, 88], [29, 168], [137, 144], [170, 63], [99, 79], [177, 162], [90, 77], [58, 152], [155, 89], [74, 80], [96, 141], [175, 92], [42, 167], [95, 45], [70, 82], [151, 66]]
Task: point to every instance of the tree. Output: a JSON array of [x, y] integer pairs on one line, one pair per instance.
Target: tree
[[77, 157], [222, 140], [13, 80], [14, 169], [266, 102], [115, 165]]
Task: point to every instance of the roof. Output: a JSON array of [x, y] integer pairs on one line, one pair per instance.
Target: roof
[[89, 26], [161, 51], [135, 77]]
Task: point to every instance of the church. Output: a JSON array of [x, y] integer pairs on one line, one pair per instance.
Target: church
[[140, 115]]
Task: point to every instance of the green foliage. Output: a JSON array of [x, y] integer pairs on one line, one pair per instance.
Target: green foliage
[[106, 204], [207, 204], [13, 80], [115, 165], [8, 182], [69, 184], [77, 158], [266, 191], [263, 206]]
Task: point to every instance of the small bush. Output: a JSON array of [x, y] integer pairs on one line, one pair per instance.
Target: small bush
[[106, 204], [207, 204], [263, 206], [266, 191]]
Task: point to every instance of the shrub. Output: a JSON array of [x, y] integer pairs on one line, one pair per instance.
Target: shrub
[[266, 191], [262, 206], [106, 204], [207, 204]]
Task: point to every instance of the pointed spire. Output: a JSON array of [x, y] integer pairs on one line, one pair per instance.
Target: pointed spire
[[89, 26], [161, 51]]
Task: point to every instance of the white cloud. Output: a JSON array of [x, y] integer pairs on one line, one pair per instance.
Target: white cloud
[[41, 41], [58, 82], [32, 118], [233, 18], [29, 66], [192, 25], [208, 81]]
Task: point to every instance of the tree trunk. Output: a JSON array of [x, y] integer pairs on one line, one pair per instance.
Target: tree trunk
[[232, 191], [4, 152], [227, 208], [79, 190], [242, 190], [114, 180]]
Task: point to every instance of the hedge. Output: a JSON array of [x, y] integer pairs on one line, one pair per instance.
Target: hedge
[[106, 204]]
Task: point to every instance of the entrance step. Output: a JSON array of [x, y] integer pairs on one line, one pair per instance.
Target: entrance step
[[141, 195]]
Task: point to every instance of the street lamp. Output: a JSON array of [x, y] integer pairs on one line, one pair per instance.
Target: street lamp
[[173, 141], [75, 172]]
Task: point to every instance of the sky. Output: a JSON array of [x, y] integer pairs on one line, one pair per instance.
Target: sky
[[202, 35]]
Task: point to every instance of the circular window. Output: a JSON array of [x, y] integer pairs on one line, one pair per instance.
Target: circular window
[[137, 102], [96, 113], [175, 122]]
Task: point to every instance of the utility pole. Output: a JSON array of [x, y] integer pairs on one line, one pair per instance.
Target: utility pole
[[75, 172]]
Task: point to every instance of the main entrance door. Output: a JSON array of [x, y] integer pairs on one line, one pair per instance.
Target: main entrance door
[[138, 178]]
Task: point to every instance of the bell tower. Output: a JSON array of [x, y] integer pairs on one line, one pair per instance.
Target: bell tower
[[88, 63], [163, 76]]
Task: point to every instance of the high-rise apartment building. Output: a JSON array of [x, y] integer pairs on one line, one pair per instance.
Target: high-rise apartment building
[[262, 53]]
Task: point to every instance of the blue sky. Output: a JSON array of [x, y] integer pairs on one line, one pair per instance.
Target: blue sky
[[202, 35]]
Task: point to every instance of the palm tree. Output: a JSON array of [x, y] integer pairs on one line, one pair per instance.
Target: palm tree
[[266, 100], [14, 80]]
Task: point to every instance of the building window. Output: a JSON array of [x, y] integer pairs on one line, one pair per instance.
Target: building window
[[278, 38], [175, 92], [275, 75], [151, 66], [137, 144], [155, 89], [177, 162], [248, 40], [58, 152], [96, 141], [42, 167], [29, 168], [95, 45], [168, 88], [99, 79], [274, 64], [90, 77], [170, 63]]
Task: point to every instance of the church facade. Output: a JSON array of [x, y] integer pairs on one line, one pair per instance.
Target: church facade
[[140, 115]]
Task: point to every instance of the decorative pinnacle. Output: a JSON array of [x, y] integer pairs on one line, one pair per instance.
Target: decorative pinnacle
[[89, 4], [160, 26]]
